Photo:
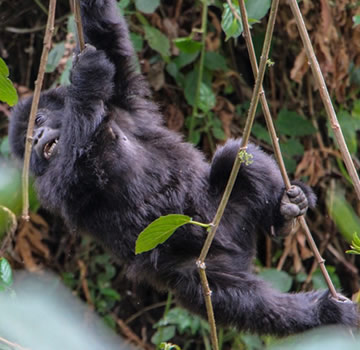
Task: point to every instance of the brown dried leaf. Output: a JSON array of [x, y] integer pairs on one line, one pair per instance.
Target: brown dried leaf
[[29, 242], [225, 109], [305, 252], [311, 166], [156, 76], [174, 118], [300, 68]]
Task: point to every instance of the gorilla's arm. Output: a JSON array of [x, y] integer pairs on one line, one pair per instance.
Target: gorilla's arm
[[91, 87], [245, 301], [106, 30], [260, 189]]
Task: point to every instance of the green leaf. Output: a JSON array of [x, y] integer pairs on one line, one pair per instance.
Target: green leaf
[[157, 41], [55, 55], [292, 124], [147, 6], [71, 25], [319, 281], [184, 59], [123, 4], [6, 276], [137, 41], [111, 293], [261, 133], [292, 147], [256, 9], [230, 25], [280, 280], [349, 125], [4, 147], [342, 213], [356, 20], [8, 93], [190, 87], [219, 133], [4, 70], [215, 61], [159, 231], [188, 45], [163, 334], [207, 98]]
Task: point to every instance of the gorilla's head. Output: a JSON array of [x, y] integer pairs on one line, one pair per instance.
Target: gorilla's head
[[46, 130]]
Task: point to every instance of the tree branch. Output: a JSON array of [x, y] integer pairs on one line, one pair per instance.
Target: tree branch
[[275, 141], [320, 82], [79, 27], [34, 107], [236, 167]]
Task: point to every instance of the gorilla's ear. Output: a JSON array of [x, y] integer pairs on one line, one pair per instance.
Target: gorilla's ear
[[17, 127]]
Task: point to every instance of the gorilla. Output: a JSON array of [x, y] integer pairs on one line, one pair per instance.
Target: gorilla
[[105, 163]]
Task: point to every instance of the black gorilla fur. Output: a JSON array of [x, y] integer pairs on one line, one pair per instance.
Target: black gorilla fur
[[105, 163]]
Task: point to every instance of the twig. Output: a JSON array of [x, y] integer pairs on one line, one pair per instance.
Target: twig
[[236, 167], [34, 106], [35, 29], [131, 336], [276, 146], [145, 309], [79, 27], [13, 345], [320, 82], [201, 68], [84, 284]]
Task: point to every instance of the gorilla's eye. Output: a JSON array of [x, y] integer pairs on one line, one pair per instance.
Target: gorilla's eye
[[40, 118]]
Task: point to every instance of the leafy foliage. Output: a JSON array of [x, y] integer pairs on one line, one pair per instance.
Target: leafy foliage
[[160, 230], [7, 91], [355, 245], [179, 321], [256, 9], [6, 277], [157, 40], [279, 280]]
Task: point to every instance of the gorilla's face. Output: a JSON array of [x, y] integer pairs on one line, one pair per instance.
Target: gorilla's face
[[46, 139], [46, 134]]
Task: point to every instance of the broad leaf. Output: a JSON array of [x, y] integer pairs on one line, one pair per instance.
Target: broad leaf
[[292, 124], [54, 57], [207, 98], [342, 213], [159, 231], [147, 6], [6, 277], [8, 93], [349, 124], [215, 61], [280, 280], [163, 334], [157, 41], [256, 9], [188, 45]]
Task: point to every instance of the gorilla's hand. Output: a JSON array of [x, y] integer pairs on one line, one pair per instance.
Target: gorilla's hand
[[92, 75], [293, 203]]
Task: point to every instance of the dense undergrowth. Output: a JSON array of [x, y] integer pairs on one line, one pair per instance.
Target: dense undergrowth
[[171, 53]]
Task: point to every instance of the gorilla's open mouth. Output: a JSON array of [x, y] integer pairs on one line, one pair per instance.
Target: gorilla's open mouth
[[50, 147]]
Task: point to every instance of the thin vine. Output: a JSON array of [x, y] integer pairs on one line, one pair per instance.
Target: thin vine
[[275, 142], [34, 107], [236, 167]]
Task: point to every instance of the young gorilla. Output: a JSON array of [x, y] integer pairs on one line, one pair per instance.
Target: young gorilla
[[105, 163]]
